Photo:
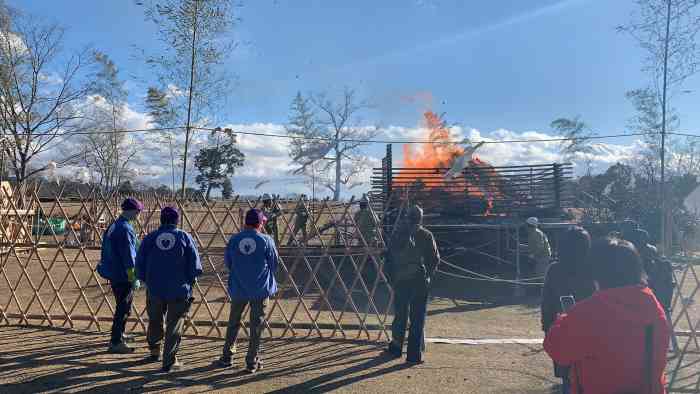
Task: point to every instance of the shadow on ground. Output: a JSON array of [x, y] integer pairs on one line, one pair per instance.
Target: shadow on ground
[[40, 359]]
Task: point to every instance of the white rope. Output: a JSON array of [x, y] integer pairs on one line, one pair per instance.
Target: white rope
[[482, 277]]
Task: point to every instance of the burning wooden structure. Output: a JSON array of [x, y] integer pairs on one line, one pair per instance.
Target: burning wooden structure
[[477, 215], [480, 193]]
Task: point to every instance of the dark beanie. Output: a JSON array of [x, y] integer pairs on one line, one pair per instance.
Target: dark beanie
[[169, 215], [254, 217], [132, 204]]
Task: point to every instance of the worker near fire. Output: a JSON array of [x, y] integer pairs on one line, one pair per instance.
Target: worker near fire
[[301, 218], [169, 264], [412, 260], [251, 259], [271, 212], [367, 222], [538, 247], [117, 261]]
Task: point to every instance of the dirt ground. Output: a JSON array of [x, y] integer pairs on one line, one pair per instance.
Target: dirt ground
[[54, 360], [42, 359]]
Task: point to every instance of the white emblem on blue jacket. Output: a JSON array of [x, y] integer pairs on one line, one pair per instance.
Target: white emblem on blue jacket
[[247, 246], [165, 241]]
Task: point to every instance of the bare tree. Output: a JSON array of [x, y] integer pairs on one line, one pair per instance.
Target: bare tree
[[164, 116], [667, 31], [40, 92], [648, 121], [194, 33], [321, 126], [108, 151], [577, 133]]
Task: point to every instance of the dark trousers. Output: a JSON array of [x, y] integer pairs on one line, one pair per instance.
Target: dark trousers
[[410, 302], [565, 385], [124, 297], [257, 322], [293, 236], [174, 312]]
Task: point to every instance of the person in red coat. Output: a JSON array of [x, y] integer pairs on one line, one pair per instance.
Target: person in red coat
[[615, 341]]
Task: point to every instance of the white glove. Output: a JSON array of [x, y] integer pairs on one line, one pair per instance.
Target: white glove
[[137, 285]]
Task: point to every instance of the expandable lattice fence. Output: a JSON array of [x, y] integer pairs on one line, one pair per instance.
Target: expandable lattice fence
[[683, 369], [330, 278]]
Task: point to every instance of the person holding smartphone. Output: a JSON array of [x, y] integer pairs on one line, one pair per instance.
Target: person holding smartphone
[[616, 340], [567, 281]]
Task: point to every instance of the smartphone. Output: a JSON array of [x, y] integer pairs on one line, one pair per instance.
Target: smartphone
[[567, 302]]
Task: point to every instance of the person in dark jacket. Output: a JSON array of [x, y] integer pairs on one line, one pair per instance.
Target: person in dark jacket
[[117, 261], [251, 259], [413, 259], [169, 263], [367, 223], [271, 212], [570, 276], [659, 270], [301, 218], [616, 340]]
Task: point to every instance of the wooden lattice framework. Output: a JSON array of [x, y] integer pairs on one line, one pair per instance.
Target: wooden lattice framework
[[683, 369], [331, 283]]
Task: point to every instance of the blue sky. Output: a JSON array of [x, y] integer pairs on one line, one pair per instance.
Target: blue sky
[[489, 65]]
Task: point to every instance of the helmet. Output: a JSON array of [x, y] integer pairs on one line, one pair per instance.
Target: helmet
[[533, 221], [266, 197]]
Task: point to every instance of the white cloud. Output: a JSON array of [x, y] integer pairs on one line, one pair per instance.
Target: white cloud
[[267, 160], [51, 79], [173, 91], [16, 43], [603, 154]]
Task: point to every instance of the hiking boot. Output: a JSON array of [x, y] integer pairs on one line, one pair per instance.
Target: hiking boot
[[253, 368], [392, 351], [154, 356], [414, 361], [174, 367], [120, 348], [224, 362]]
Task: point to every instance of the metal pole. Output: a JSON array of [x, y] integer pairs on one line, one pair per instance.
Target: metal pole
[[189, 103], [663, 132], [519, 290], [313, 187]]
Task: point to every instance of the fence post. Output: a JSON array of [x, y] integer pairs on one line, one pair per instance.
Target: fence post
[[519, 289], [557, 185]]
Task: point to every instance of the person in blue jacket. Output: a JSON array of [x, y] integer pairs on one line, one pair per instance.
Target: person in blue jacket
[[251, 259], [117, 261], [169, 264]]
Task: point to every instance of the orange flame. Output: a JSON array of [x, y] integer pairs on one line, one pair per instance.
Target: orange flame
[[439, 153], [435, 154]]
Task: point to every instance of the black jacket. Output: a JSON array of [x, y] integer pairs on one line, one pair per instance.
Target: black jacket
[[563, 280], [660, 276]]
